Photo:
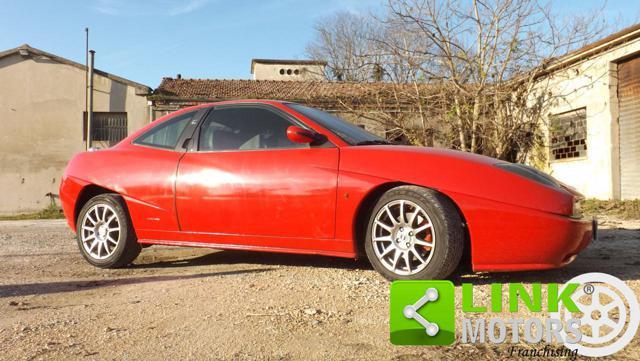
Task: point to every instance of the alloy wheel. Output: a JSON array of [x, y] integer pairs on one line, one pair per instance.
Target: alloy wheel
[[403, 237], [100, 231]]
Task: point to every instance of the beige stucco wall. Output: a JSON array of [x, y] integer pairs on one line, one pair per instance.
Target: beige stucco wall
[[592, 84], [41, 111], [306, 72]]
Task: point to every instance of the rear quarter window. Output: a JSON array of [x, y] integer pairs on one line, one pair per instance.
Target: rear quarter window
[[166, 134]]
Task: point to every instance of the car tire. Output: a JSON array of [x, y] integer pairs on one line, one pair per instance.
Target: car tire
[[105, 235], [435, 234]]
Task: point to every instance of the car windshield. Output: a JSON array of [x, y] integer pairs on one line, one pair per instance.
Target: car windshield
[[348, 132]]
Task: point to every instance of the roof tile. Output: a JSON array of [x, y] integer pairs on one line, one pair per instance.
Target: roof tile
[[215, 89]]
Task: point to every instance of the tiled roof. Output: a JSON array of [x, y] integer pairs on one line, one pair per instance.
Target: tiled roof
[[214, 90]]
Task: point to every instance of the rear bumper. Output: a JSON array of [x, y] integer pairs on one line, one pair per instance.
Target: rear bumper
[[70, 188]]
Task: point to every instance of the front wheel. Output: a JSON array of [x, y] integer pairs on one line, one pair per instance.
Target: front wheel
[[414, 233], [104, 232]]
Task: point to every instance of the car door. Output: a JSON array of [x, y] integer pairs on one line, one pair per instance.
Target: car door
[[244, 177], [147, 172]]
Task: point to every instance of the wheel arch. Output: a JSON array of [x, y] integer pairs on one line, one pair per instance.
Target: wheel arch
[[365, 207], [88, 192]]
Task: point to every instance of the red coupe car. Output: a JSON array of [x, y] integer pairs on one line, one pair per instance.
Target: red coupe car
[[282, 177]]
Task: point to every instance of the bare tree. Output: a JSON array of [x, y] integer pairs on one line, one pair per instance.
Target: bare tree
[[344, 41], [491, 53], [468, 70]]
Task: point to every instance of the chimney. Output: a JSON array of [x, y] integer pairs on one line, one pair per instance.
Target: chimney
[[293, 70]]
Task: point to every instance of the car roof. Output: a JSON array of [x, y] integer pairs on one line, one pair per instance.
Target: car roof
[[237, 101]]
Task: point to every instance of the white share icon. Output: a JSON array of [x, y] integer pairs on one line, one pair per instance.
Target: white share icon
[[411, 311]]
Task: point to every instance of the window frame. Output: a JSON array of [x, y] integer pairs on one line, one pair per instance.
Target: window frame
[[94, 127], [187, 132], [195, 144], [322, 123], [586, 136]]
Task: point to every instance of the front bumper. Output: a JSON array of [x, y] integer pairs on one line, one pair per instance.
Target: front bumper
[[586, 232], [514, 238], [554, 243]]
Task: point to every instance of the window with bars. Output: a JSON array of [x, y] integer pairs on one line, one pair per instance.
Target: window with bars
[[107, 127], [568, 133]]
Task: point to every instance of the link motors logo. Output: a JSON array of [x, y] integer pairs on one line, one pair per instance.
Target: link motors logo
[[594, 314]]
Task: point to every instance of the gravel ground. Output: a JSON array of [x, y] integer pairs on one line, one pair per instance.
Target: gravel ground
[[181, 303]]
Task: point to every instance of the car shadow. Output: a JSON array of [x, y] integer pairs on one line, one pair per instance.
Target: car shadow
[[230, 257], [617, 252], [74, 286]]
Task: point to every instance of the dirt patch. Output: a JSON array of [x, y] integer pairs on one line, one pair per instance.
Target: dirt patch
[[184, 303]]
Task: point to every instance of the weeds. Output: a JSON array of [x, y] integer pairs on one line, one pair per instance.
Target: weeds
[[629, 209], [51, 212]]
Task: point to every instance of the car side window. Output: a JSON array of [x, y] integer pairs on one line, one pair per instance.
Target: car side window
[[166, 135], [245, 128]]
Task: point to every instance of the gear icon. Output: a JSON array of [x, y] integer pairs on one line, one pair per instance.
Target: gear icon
[[604, 320]]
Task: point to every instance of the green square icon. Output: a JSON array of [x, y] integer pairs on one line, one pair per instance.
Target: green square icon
[[422, 313]]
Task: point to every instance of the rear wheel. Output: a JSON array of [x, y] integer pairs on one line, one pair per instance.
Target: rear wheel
[[104, 232], [414, 233]]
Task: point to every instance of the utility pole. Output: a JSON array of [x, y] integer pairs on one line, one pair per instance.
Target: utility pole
[[92, 54], [86, 87]]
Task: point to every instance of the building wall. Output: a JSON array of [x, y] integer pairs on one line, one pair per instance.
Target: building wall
[[305, 72], [41, 125], [592, 84]]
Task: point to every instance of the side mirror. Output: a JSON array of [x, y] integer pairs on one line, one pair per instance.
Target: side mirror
[[301, 135]]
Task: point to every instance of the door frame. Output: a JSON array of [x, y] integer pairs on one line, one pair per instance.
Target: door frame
[[195, 136]]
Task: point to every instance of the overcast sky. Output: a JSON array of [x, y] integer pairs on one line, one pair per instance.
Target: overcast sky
[[145, 40]]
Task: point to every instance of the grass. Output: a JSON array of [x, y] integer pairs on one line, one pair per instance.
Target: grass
[[622, 209], [51, 212]]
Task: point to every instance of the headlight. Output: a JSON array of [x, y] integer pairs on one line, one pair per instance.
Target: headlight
[[530, 173], [577, 207]]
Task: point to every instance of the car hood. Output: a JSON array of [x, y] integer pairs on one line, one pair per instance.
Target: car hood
[[455, 172]]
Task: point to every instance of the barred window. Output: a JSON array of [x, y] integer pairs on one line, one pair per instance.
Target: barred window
[[108, 127], [568, 133]]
